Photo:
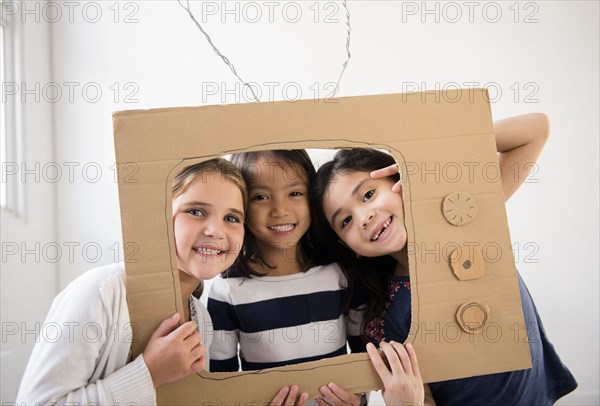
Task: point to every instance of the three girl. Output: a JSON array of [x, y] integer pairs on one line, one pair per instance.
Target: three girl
[[209, 202], [275, 303], [357, 203]]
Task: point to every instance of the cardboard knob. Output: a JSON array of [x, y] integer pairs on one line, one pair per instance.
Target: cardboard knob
[[467, 263], [459, 208], [473, 316]]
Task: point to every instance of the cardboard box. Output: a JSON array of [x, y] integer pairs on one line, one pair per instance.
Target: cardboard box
[[466, 310]]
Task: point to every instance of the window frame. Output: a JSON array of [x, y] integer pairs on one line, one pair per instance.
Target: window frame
[[12, 38]]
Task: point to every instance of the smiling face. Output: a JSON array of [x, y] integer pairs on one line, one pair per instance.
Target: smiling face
[[278, 211], [208, 222], [365, 214]]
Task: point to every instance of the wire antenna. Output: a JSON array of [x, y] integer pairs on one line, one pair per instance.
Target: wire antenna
[[226, 60]]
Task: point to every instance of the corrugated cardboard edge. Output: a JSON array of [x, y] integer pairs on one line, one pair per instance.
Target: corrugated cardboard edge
[[253, 386]]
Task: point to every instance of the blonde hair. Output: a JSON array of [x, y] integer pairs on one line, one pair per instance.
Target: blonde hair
[[220, 166]]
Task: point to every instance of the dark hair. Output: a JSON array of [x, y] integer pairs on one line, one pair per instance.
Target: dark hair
[[245, 162], [367, 277]]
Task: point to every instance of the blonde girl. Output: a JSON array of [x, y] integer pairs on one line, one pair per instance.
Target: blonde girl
[[74, 367]]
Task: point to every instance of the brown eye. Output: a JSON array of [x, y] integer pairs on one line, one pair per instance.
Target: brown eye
[[368, 194], [259, 197]]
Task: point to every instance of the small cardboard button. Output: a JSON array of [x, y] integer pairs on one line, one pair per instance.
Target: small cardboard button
[[473, 316], [459, 208], [467, 263]]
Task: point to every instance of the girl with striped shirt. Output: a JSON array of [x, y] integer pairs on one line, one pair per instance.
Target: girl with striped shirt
[[274, 302]]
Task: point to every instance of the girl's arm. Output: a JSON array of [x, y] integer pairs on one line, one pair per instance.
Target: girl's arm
[[82, 360], [519, 141]]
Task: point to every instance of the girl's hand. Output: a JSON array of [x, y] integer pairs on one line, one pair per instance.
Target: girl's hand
[[389, 171], [174, 352], [338, 396], [287, 397], [403, 384]]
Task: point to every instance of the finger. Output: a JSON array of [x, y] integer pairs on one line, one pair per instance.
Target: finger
[[377, 361], [291, 398], [166, 326], [198, 352], [404, 358], [321, 402], [326, 402], [193, 339], [183, 331], [332, 398], [412, 354], [302, 400], [387, 171], [198, 365], [340, 394], [393, 358], [280, 396]]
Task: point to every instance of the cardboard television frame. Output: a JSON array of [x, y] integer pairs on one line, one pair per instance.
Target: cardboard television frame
[[463, 323]]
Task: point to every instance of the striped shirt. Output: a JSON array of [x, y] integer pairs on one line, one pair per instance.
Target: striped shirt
[[279, 320]]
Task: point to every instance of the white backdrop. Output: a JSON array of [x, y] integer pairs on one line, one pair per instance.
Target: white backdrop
[[533, 56]]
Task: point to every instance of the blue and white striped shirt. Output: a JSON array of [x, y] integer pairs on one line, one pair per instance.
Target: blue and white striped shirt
[[280, 320]]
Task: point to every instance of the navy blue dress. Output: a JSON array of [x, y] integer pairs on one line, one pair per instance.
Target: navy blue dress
[[543, 384]]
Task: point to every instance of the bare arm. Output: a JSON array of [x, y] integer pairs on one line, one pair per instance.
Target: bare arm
[[519, 141]]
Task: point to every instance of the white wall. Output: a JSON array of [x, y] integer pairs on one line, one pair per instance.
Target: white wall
[[165, 61], [28, 280]]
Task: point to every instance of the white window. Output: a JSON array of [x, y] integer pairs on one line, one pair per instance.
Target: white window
[[10, 189], [3, 190]]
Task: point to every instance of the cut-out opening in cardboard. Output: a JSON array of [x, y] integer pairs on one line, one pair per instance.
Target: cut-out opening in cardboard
[[264, 170], [336, 365]]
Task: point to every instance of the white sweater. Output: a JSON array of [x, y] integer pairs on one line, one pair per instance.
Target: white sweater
[[82, 357]]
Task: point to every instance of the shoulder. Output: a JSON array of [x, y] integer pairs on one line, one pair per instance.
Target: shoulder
[[104, 279], [333, 268], [236, 288], [330, 273], [99, 295], [220, 288]]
